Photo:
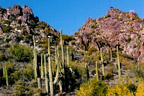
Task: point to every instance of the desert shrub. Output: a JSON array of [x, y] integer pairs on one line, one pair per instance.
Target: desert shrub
[[6, 29], [92, 88], [27, 72], [108, 76], [18, 52], [21, 89], [67, 38], [138, 70], [119, 90], [33, 84], [38, 92]]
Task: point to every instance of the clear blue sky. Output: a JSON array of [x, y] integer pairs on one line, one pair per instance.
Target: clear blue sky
[[69, 15]]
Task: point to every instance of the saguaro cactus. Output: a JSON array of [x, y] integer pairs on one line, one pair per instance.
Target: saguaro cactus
[[61, 42], [42, 72], [50, 70], [67, 56], [87, 71], [5, 73], [35, 59], [46, 74], [97, 76], [101, 54], [118, 62], [110, 50]]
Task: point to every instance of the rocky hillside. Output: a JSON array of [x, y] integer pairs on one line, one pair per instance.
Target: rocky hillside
[[124, 29], [18, 25]]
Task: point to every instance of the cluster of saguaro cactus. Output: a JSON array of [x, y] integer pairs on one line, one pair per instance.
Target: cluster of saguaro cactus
[[47, 73]]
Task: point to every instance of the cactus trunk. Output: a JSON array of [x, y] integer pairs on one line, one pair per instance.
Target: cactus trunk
[[102, 63], [111, 58], [97, 76], [46, 74], [67, 56], [87, 72], [61, 42], [58, 65], [42, 72], [35, 59], [50, 70], [118, 62]]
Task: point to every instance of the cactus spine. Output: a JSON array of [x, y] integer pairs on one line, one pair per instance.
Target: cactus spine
[[67, 56], [46, 74], [35, 59], [118, 62], [42, 72], [101, 54], [97, 76], [50, 70]]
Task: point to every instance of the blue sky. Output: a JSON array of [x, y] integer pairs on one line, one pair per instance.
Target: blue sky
[[69, 15]]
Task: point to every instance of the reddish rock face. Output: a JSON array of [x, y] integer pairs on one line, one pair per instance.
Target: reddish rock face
[[115, 28]]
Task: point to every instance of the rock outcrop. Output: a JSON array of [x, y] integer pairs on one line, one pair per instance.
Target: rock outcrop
[[125, 29], [18, 25]]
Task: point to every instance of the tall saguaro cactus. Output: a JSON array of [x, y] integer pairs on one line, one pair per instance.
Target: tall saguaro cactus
[[87, 71], [50, 70], [42, 71], [97, 76], [110, 50], [61, 42], [101, 54], [46, 74], [5, 73], [35, 59], [118, 62], [67, 56]]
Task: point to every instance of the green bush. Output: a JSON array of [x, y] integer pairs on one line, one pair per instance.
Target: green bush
[[92, 88], [21, 89], [18, 52], [6, 29]]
